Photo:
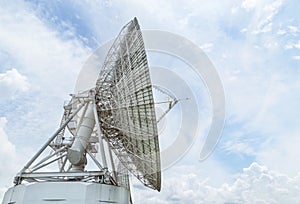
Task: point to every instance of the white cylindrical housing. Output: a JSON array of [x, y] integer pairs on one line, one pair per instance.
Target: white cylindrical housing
[[66, 193], [76, 152]]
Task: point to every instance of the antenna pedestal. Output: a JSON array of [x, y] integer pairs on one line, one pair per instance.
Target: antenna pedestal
[[67, 193]]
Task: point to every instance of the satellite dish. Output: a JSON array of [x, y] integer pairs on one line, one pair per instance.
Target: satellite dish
[[125, 106], [113, 126]]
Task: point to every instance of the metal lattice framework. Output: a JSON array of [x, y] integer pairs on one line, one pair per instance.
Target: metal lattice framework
[[125, 106]]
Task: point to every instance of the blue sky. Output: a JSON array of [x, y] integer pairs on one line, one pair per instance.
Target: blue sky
[[254, 45]]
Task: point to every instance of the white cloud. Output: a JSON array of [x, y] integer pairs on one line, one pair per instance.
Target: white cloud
[[263, 14], [51, 63], [233, 147], [8, 159], [293, 29], [257, 184], [265, 110], [296, 57], [297, 45], [281, 32], [12, 82], [7, 148], [291, 45], [207, 47], [40, 52], [249, 4]]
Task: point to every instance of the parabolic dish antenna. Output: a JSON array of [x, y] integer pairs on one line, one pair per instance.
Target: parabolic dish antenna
[[112, 126], [125, 106]]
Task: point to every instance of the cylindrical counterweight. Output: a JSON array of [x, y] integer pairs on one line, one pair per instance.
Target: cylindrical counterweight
[[76, 153]]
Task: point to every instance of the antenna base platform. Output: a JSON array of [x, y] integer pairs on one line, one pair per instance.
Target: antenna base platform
[[66, 192]]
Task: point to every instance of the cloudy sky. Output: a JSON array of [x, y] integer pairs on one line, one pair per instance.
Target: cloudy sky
[[253, 44]]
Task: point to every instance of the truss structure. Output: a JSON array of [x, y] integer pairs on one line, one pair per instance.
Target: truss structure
[[39, 167], [125, 106]]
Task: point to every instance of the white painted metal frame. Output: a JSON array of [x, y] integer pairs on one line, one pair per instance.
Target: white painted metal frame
[[34, 171]]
